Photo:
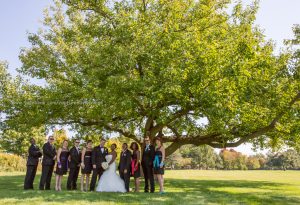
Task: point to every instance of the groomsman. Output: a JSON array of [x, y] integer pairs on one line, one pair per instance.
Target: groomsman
[[124, 165], [49, 153], [147, 164], [98, 156], [34, 154], [74, 165]]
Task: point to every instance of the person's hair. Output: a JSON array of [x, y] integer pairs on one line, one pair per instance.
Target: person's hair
[[114, 144], [148, 138], [64, 142], [50, 136], [89, 141], [125, 144], [102, 139], [32, 140], [159, 139], [136, 146]]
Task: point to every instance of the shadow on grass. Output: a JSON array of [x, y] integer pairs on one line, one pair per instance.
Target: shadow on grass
[[180, 191]]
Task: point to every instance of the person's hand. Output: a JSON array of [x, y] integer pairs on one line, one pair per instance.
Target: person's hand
[[82, 165], [78, 165], [59, 166], [94, 166], [125, 171], [54, 158]]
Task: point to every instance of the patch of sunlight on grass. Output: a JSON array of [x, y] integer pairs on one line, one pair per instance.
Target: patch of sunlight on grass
[[183, 187], [240, 190]]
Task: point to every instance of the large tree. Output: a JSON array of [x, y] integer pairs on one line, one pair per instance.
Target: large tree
[[192, 71]]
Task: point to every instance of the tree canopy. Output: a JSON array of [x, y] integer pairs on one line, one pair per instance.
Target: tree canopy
[[191, 71]]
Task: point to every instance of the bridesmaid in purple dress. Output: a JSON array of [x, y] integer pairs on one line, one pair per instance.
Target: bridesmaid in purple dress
[[86, 165], [62, 164]]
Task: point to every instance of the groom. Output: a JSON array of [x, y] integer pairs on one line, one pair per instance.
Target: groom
[[98, 156], [74, 165], [124, 165]]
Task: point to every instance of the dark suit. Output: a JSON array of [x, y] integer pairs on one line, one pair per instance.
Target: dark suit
[[97, 158], [34, 154], [125, 161], [49, 153], [147, 165], [74, 168]]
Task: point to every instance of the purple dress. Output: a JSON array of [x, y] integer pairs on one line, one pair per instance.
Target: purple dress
[[64, 163]]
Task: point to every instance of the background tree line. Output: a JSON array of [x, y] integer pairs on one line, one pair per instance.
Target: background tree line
[[205, 157], [187, 157]]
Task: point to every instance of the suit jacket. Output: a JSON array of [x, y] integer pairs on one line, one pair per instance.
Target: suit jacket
[[49, 153], [125, 161], [148, 155], [75, 157], [98, 157], [34, 153]]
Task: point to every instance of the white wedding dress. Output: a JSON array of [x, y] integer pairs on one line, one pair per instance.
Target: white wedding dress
[[110, 181]]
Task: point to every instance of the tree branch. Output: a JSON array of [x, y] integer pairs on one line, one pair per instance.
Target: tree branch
[[149, 124], [176, 115], [95, 8], [258, 132], [122, 132], [174, 130], [172, 148]]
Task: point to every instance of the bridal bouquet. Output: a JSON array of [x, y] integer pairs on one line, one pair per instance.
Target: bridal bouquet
[[104, 165]]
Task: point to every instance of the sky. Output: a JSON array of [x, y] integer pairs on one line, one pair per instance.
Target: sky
[[18, 17]]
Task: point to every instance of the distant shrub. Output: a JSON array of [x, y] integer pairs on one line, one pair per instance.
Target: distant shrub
[[11, 162]]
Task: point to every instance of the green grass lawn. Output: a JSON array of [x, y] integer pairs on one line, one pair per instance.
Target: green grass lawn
[[183, 187]]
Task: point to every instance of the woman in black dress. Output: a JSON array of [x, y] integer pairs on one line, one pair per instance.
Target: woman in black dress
[[158, 164], [86, 164], [62, 164], [135, 165]]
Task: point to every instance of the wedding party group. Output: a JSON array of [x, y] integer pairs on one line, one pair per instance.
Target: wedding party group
[[97, 164]]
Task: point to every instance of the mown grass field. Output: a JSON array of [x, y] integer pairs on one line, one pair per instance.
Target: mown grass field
[[183, 187]]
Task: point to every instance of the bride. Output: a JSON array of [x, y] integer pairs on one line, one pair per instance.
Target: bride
[[110, 181]]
